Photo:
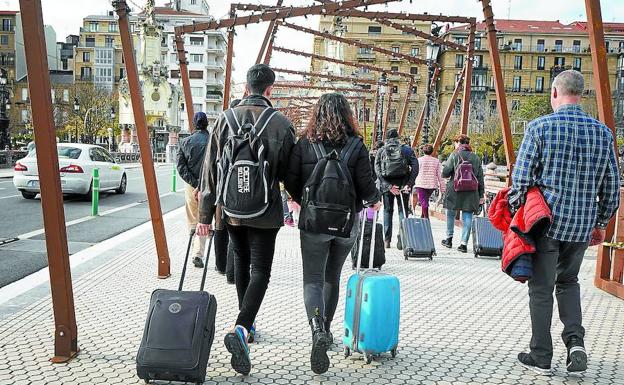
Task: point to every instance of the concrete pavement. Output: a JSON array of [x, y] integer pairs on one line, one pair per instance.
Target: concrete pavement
[[462, 322]]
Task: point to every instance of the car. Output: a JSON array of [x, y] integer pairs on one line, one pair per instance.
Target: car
[[76, 164]]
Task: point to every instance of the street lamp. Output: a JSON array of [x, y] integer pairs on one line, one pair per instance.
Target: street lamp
[[432, 57], [382, 89], [5, 104], [76, 109]]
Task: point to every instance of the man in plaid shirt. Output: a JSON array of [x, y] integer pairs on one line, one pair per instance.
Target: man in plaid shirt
[[570, 156]]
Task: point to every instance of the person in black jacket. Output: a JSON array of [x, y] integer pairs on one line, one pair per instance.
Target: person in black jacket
[[392, 187], [332, 125], [189, 165]]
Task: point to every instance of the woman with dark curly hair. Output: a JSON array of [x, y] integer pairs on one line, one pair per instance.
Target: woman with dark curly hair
[[333, 127]]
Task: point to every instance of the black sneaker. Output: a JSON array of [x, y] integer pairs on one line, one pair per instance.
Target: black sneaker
[[528, 362], [462, 248], [448, 243], [577, 356], [197, 262], [236, 343]]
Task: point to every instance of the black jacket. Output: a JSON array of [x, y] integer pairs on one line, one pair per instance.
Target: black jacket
[[278, 138], [302, 163], [191, 157], [409, 180]]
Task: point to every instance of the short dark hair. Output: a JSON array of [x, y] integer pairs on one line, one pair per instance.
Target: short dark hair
[[461, 139], [427, 149], [259, 78]]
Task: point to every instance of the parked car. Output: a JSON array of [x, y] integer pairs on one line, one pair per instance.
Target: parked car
[[76, 164]]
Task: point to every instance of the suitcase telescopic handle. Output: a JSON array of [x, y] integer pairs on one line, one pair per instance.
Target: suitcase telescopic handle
[[402, 204], [372, 245], [186, 258]]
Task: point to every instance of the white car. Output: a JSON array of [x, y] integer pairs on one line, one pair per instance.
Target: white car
[[76, 164]]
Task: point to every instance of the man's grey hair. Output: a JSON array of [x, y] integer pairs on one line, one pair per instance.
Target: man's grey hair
[[569, 82]]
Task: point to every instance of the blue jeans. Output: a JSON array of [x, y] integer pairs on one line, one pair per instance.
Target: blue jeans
[[466, 222]]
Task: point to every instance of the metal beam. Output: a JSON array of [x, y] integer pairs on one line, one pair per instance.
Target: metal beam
[[65, 329], [353, 42], [267, 36], [311, 87], [408, 95], [228, 64], [499, 86], [387, 120], [331, 77], [282, 13], [447, 115], [158, 226], [277, 98], [421, 119], [186, 83], [468, 82]]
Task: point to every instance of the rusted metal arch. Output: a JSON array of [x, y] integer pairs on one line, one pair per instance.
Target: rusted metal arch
[[268, 38], [279, 98], [279, 85], [331, 77], [421, 119], [448, 113]]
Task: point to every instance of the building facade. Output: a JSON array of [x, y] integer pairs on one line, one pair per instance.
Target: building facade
[[532, 54], [65, 53]]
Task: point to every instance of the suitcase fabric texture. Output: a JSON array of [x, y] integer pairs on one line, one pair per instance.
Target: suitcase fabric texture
[[372, 312], [179, 332], [380, 251], [486, 240], [416, 237]]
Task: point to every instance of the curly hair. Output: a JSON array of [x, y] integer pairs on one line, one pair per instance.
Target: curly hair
[[332, 120]]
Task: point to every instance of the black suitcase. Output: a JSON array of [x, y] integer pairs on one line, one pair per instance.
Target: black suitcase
[[379, 257], [416, 237], [179, 331], [486, 240]]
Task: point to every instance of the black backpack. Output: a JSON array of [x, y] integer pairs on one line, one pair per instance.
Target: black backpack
[[328, 203], [243, 172], [393, 164]]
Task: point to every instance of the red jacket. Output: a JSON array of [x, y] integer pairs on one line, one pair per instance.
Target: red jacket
[[534, 217]]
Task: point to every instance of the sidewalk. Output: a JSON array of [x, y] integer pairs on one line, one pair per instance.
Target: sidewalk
[[462, 322], [6, 172]]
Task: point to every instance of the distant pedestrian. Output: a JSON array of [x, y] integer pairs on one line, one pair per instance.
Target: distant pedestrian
[[252, 143], [429, 178], [571, 158], [190, 159], [332, 128], [465, 190], [396, 167]]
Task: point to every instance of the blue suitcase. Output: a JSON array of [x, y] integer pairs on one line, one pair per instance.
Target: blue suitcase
[[372, 311]]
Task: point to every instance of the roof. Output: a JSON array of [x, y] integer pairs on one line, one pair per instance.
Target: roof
[[9, 12], [171, 12], [56, 77], [608, 27], [526, 26]]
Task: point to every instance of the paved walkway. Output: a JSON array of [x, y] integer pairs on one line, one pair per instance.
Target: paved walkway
[[462, 322]]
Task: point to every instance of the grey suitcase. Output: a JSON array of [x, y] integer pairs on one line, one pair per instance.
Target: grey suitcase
[[179, 332], [416, 237], [486, 240]]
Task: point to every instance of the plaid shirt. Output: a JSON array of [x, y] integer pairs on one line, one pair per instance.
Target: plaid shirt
[[571, 158]]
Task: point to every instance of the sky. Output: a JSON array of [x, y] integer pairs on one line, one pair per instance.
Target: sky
[[66, 18]]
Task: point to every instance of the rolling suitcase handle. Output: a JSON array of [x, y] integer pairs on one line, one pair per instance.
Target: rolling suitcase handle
[[402, 204], [372, 246], [206, 255]]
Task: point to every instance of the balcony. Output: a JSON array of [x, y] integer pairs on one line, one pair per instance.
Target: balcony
[[212, 114], [219, 67], [7, 28], [544, 48], [363, 56], [214, 98], [394, 58], [216, 49], [218, 83]]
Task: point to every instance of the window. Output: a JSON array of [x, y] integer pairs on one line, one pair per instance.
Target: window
[[414, 70], [86, 56], [85, 73], [458, 107], [197, 107], [112, 26], [374, 30], [193, 2], [121, 73], [478, 80], [394, 89], [517, 46], [541, 62], [103, 75], [365, 50], [517, 82], [93, 26], [477, 42], [24, 116], [392, 115], [197, 91], [197, 58], [415, 51], [493, 106], [394, 68], [365, 70], [6, 25], [559, 61], [460, 40], [576, 46], [540, 45], [66, 96], [104, 56], [577, 63], [518, 63], [108, 42], [558, 45], [411, 114], [197, 40], [459, 60], [196, 74], [515, 105], [539, 84], [478, 61], [24, 94], [364, 113], [53, 95], [396, 49], [90, 42], [414, 90], [4, 39]]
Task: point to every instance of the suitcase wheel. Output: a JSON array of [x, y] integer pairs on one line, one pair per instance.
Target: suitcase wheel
[[146, 380], [476, 255], [368, 358], [431, 257], [406, 258], [346, 351], [393, 352]]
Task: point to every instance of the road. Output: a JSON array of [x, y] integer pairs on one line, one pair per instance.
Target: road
[[22, 240]]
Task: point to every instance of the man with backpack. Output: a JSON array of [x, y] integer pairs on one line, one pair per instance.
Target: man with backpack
[[465, 190], [247, 158], [396, 167]]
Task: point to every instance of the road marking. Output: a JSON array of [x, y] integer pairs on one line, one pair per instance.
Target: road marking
[[11, 196], [89, 217]]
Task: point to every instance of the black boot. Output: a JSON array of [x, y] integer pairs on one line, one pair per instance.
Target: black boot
[[448, 242], [330, 336], [319, 362]]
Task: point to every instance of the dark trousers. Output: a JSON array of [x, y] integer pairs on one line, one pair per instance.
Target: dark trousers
[[253, 248], [388, 203], [229, 266], [221, 240], [556, 266], [323, 257]]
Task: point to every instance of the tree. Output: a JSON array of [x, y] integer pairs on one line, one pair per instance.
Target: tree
[[532, 108], [94, 108]]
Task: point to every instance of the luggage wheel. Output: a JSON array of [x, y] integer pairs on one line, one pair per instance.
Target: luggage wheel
[[368, 358], [146, 381], [346, 351], [393, 352], [431, 258]]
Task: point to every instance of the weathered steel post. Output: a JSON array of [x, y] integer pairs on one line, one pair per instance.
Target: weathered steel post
[[468, 80]]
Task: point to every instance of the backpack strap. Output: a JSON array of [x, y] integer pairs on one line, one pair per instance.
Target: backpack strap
[[348, 149], [264, 119], [319, 150], [232, 121]]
